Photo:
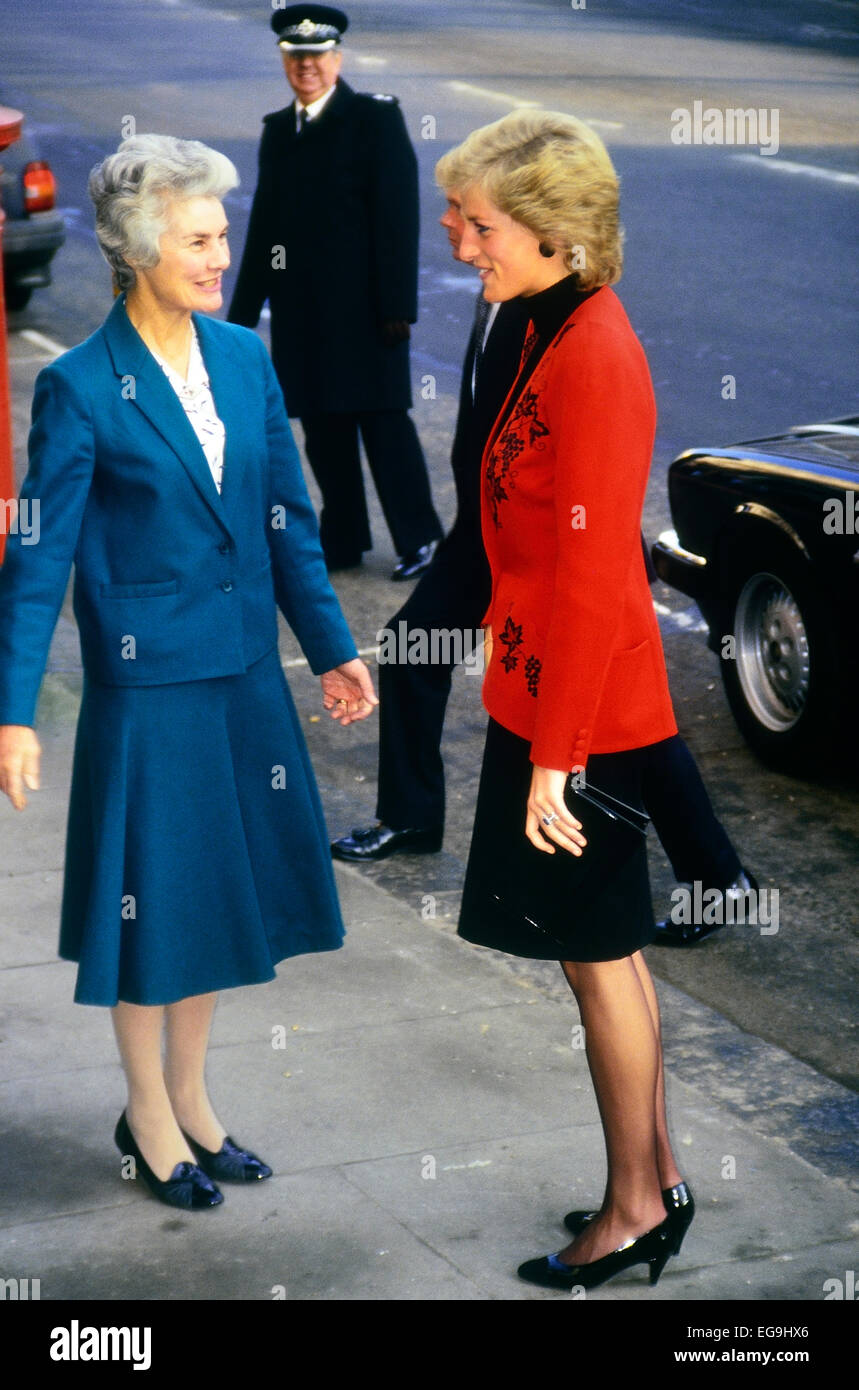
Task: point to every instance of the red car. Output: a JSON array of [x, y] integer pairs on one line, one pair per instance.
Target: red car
[[33, 231]]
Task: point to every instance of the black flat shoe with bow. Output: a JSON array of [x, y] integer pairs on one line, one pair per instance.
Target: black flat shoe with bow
[[679, 1204], [230, 1163], [652, 1249], [187, 1187]]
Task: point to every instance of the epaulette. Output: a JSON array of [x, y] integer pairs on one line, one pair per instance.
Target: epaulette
[[385, 96]]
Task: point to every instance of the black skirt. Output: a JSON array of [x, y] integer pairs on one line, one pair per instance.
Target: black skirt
[[553, 907]]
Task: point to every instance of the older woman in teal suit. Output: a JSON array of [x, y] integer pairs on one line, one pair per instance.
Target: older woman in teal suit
[[163, 463]]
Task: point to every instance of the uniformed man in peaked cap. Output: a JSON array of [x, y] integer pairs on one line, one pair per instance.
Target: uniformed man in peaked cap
[[332, 245]]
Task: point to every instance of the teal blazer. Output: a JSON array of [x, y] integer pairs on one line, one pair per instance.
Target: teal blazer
[[173, 582]]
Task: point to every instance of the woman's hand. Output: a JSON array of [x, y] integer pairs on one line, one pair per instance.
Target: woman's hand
[[20, 752], [546, 798], [348, 692], [487, 647]]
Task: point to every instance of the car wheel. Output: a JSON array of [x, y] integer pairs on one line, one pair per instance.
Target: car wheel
[[781, 671], [17, 297]]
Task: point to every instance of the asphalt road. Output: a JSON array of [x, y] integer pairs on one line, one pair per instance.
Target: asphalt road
[[738, 263]]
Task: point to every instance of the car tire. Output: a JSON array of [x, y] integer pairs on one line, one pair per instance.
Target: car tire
[[17, 297], [781, 672]]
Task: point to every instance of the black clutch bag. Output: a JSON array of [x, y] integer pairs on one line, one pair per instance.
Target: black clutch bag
[[618, 816]]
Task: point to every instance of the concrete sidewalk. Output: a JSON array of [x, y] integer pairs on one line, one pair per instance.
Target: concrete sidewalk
[[424, 1107]]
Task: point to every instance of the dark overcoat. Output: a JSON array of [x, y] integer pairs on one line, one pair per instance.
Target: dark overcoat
[[333, 245]]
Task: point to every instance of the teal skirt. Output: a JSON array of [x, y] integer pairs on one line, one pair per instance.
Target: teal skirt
[[197, 855]]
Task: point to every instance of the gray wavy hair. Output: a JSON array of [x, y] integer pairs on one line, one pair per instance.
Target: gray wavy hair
[[131, 191]]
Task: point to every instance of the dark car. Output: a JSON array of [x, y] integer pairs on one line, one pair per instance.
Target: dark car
[[33, 230], [766, 542]]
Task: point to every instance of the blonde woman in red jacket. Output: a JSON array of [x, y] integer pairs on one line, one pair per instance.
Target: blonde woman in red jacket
[[575, 683]]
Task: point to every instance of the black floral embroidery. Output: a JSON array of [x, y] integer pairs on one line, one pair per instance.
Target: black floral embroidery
[[511, 638], [525, 411], [533, 667], [529, 342], [500, 471]]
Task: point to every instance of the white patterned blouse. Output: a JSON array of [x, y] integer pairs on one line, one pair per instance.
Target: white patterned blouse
[[199, 405]]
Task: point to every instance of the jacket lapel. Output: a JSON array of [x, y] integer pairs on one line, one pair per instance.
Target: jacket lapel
[[145, 384], [538, 372], [232, 411], [332, 110]]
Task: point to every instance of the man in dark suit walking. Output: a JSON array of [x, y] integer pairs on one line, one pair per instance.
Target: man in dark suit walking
[[452, 596], [332, 245]]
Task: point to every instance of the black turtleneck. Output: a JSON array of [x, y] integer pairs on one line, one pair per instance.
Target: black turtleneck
[[549, 311], [551, 308]]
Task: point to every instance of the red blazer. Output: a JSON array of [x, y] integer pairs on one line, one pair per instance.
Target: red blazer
[[577, 664]]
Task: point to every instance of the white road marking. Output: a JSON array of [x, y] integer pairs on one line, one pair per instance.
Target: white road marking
[[488, 92], [811, 171], [39, 340], [689, 620], [473, 90], [229, 15], [458, 282], [302, 660]]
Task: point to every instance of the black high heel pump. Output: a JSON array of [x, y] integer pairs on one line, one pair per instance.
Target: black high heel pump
[[187, 1186], [679, 1204], [653, 1249]]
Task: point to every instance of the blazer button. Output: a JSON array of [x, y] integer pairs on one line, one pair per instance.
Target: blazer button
[[224, 548], [227, 586]]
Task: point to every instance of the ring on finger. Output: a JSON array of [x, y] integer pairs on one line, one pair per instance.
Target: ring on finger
[[547, 820]]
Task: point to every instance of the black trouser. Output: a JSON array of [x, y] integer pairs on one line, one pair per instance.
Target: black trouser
[[452, 595], [399, 471], [683, 817]]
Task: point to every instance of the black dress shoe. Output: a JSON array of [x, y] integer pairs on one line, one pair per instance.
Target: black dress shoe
[[679, 1204], [187, 1187], [378, 841], [724, 913], [230, 1163], [652, 1249], [416, 562]]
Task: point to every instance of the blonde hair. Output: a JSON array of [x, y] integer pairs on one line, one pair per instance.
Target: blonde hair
[[552, 173]]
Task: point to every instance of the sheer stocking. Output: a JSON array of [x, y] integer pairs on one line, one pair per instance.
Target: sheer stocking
[[617, 1001]]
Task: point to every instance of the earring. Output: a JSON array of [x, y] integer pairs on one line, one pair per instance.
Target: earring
[[546, 250]]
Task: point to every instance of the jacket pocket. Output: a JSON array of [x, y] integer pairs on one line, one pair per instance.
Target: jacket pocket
[[167, 586]]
